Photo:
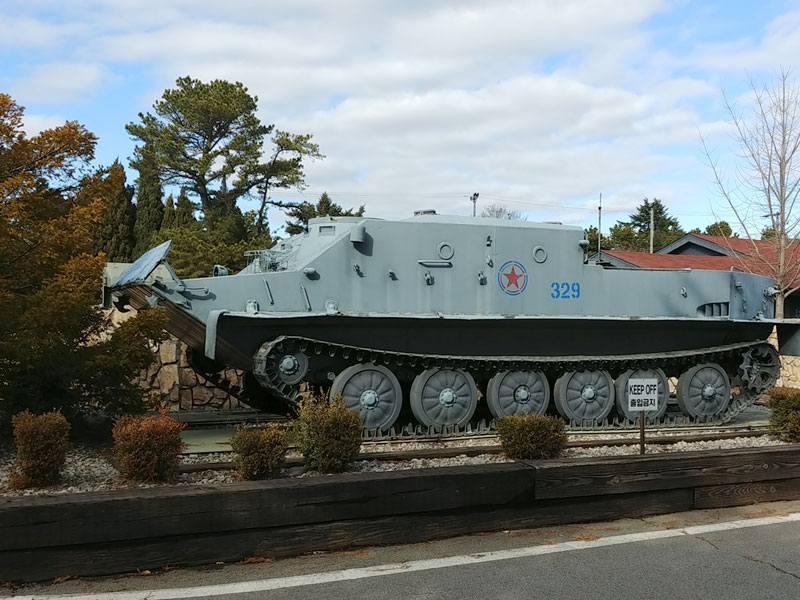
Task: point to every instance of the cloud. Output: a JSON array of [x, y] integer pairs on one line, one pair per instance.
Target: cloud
[[27, 32], [59, 82], [779, 46], [34, 124], [538, 104]]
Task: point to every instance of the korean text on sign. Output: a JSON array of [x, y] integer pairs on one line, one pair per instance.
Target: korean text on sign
[[642, 394]]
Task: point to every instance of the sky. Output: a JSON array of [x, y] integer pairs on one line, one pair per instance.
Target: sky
[[537, 105]]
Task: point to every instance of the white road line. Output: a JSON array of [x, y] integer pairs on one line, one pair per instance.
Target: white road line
[[245, 587]]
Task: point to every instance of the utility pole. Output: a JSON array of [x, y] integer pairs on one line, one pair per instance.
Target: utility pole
[[652, 220], [599, 225], [474, 199]]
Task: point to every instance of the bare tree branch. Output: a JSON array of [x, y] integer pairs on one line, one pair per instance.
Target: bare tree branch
[[766, 186]]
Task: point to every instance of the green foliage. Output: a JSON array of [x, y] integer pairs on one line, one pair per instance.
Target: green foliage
[[184, 210], [205, 136], [168, 221], [259, 453], [41, 443], [784, 422], [148, 448], [149, 206], [304, 212], [635, 234], [721, 228], [531, 436], [54, 350], [195, 251], [591, 235], [114, 237], [283, 170], [327, 433]]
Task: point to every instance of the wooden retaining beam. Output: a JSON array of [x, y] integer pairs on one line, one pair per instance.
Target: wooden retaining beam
[[113, 532]]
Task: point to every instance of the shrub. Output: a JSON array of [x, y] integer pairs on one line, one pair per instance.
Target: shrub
[[148, 448], [41, 442], [531, 436], [327, 433], [785, 420], [259, 453]]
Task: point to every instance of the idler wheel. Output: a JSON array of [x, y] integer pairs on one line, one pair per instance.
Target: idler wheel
[[444, 397], [518, 393], [760, 368], [622, 393], [584, 395], [372, 391], [704, 391]]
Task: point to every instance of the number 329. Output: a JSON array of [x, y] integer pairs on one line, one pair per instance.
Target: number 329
[[565, 290]]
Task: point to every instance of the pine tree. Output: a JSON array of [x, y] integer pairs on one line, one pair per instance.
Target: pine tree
[[168, 221], [304, 212], [115, 236], [149, 207], [635, 234], [184, 210]]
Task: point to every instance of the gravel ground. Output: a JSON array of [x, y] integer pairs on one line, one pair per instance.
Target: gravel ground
[[89, 469]]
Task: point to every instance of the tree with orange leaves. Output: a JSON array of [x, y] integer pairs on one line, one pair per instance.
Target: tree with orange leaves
[[52, 354]]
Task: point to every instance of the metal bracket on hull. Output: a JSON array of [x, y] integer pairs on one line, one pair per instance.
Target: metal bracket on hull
[[211, 332]]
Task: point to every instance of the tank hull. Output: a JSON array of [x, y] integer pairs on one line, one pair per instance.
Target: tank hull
[[447, 310], [239, 336]]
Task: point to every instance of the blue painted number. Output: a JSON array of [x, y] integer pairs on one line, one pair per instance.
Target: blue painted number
[[565, 290]]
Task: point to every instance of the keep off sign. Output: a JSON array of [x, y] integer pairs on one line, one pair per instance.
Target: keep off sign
[[642, 395]]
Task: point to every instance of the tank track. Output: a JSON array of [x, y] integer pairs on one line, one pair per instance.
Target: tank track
[[266, 360]]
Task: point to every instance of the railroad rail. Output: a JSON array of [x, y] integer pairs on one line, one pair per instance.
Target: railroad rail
[[451, 451]]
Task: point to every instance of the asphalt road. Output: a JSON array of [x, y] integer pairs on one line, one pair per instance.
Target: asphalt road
[[747, 553]]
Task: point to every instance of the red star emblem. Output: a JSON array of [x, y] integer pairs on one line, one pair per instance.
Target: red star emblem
[[513, 277]]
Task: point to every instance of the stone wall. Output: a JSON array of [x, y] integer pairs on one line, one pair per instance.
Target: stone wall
[[790, 372], [790, 367], [172, 381]]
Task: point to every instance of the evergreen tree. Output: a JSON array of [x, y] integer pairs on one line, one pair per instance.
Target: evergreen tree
[[591, 235], [721, 228], [168, 221], [184, 210], [115, 235], [304, 212], [635, 234], [149, 206]]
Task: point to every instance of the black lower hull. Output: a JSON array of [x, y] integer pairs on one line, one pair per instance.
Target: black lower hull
[[239, 338]]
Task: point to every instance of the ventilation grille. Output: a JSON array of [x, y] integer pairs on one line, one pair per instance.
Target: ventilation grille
[[713, 309]]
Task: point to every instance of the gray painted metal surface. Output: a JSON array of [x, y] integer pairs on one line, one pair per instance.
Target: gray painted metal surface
[[471, 267], [447, 286]]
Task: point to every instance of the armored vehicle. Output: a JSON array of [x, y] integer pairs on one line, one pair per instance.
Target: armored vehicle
[[436, 312]]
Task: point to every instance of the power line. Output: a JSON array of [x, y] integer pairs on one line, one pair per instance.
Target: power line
[[433, 195]]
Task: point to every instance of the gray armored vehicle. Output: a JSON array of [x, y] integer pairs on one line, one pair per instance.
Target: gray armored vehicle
[[434, 311]]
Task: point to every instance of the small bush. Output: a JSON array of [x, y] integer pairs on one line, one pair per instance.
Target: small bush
[[531, 437], [259, 453], [41, 442], [785, 420], [327, 433], [148, 448]]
